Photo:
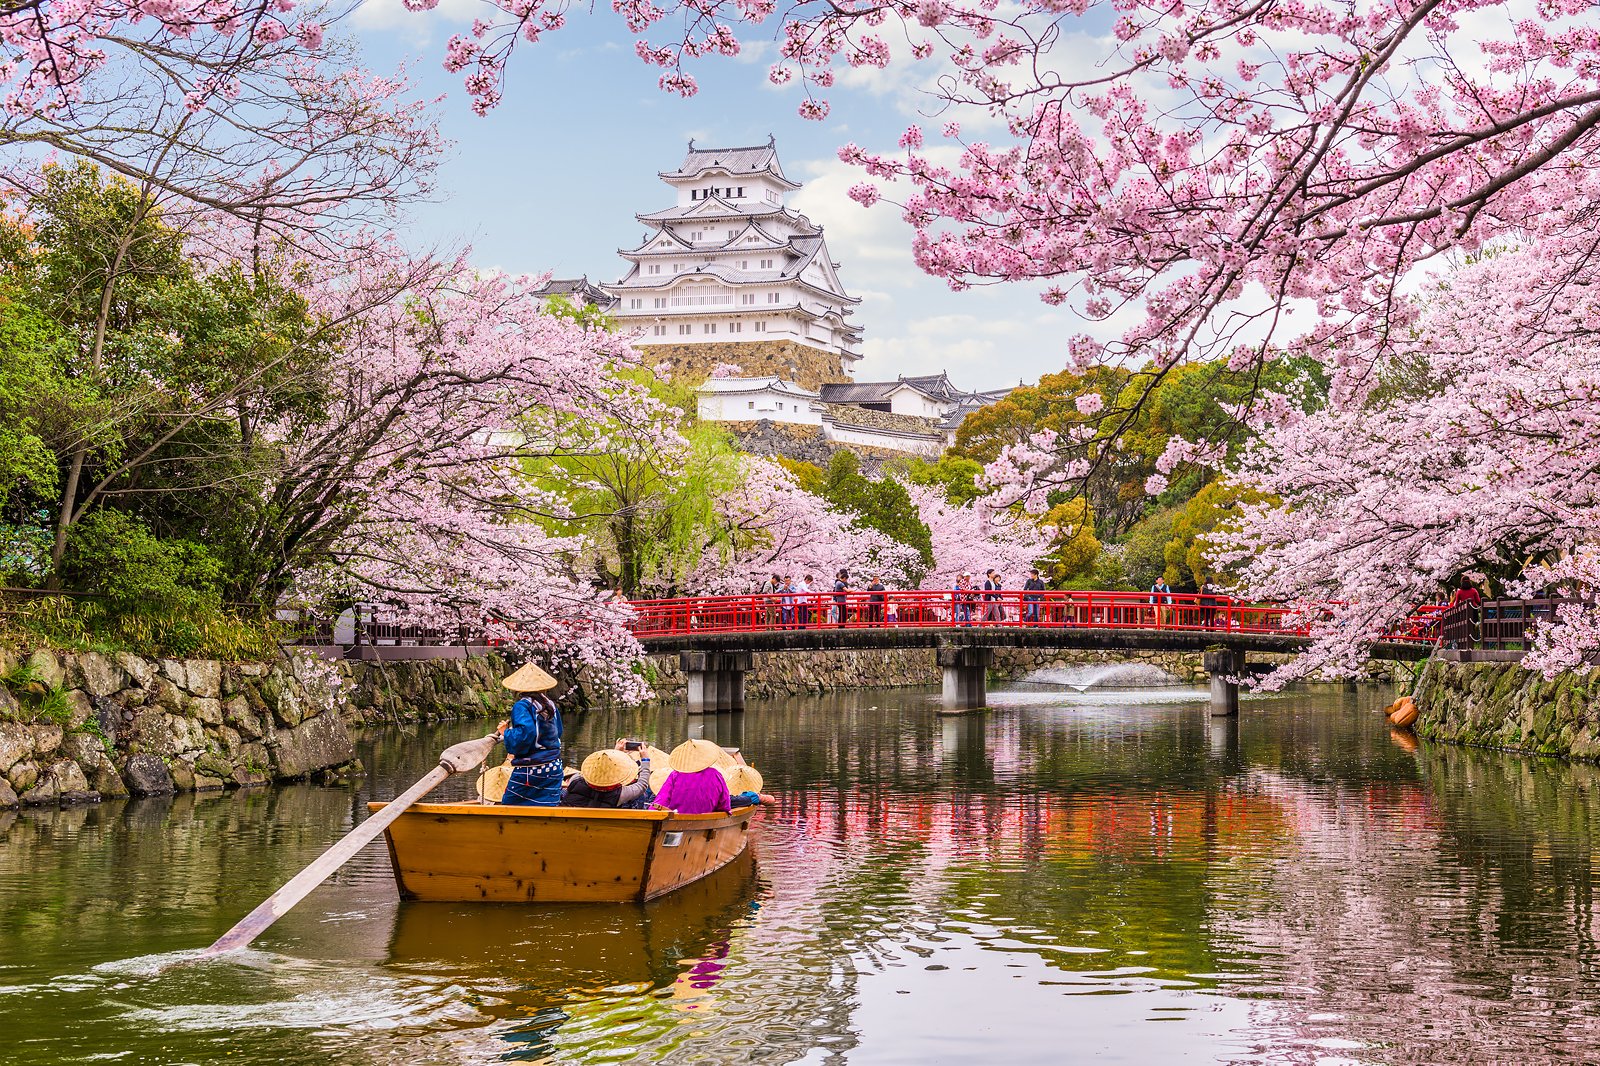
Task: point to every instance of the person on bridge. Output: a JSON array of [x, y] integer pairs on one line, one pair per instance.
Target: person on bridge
[[773, 591], [877, 599], [786, 599], [803, 601], [1161, 599], [1032, 593], [993, 608], [841, 598], [532, 736], [961, 599]]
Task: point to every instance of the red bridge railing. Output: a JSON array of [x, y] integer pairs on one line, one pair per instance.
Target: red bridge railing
[[1011, 608]]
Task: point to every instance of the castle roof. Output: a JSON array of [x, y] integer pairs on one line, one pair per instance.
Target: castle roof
[[580, 290], [754, 159]]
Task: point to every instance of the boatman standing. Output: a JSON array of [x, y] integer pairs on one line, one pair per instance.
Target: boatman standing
[[532, 736]]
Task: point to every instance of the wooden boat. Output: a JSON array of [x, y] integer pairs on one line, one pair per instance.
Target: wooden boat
[[471, 852]]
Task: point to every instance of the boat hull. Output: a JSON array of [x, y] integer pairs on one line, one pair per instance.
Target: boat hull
[[475, 852]]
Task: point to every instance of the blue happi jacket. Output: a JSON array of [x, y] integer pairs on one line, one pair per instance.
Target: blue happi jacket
[[532, 739]]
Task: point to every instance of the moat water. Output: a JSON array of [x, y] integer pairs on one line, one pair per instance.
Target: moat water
[[1105, 874]]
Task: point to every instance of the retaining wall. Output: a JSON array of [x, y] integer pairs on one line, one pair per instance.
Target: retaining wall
[[91, 726], [1501, 705]]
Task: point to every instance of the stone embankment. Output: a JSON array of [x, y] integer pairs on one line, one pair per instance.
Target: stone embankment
[[1501, 705], [78, 726]]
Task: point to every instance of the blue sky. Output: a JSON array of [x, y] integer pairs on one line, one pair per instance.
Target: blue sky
[[551, 180]]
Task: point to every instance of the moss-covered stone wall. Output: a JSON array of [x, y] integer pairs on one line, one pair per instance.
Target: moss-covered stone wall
[[1501, 705], [85, 726]]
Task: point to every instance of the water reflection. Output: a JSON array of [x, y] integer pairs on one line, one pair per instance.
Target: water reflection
[[1067, 875]]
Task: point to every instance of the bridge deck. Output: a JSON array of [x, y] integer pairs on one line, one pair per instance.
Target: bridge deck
[[1010, 619]]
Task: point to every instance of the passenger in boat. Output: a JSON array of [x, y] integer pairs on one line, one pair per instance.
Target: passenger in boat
[[695, 785], [610, 779], [744, 784], [532, 736]]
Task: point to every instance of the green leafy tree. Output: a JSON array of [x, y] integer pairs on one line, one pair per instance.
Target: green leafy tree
[[882, 504], [1144, 549], [1075, 549], [1187, 553], [954, 475]]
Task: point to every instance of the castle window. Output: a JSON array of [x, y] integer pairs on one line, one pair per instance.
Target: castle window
[[766, 264], [711, 327], [747, 297], [661, 301], [636, 304], [660, 331], [741, 192], [750, 404], [685, 330], [761, 327], [773, 297], [735, 327]]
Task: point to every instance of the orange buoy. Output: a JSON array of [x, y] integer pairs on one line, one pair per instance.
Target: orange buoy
[[1395, 706], [1404, 715]]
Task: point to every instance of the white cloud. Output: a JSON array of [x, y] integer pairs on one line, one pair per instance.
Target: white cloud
[[418, 27]]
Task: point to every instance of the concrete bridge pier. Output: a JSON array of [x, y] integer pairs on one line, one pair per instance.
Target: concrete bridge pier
[[966, 675], [1224, 665], [715, 679]]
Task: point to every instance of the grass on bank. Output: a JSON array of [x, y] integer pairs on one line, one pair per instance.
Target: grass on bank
[[194, 631]]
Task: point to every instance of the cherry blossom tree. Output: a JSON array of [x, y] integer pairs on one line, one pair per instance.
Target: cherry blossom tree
[[976, 537], [770, 525], [1221, 178], [1474, 450], [407, 484]]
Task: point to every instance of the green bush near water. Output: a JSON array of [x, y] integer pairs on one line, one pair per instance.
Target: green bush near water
[[193, 631]]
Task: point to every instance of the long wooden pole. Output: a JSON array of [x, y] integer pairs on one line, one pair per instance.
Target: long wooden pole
[[456, 759]]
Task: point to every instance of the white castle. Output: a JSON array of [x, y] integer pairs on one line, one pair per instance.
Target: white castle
[[730, 275], [729, 262]]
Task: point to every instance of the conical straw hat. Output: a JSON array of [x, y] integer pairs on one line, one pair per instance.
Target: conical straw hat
[[658, 778], [692, 756], [656, 756], [725, 759], [743, 779], [609, 767], [529, 677], [492, 783]]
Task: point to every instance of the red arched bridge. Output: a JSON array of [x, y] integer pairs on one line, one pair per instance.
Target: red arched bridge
[[715, 635]]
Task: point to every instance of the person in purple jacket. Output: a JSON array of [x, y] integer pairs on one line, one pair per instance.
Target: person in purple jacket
[[695, 785]]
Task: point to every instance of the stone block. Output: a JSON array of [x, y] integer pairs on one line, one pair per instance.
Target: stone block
[[176, 671], [207, 709], [8, 796], [139, 670], [204, 783], [182, 775], [48, 667], [97, 674], [148, 775], [317, 744], [213, 764], [47, 738], [165, 693], [205, 677], [80, 708], [152, 732], [16, 744]]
